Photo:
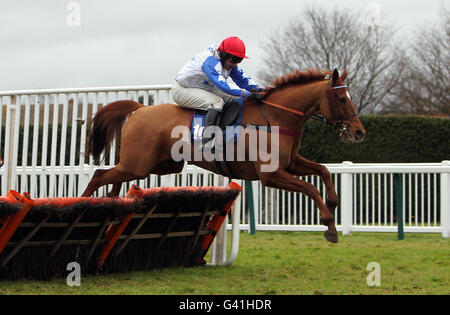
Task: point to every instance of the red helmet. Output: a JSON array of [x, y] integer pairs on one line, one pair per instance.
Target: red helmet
[[233, 46]]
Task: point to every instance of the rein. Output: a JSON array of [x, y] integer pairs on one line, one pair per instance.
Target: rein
[[293, 111], [339, 124]]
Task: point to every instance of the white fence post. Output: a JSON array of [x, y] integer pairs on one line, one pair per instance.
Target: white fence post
[[256, 205], [346, 200], [83, 179], [220, 240], [11, 141], [445, 201], [236, 213]]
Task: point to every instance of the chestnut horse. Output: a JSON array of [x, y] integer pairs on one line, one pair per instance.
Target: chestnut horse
[[146, 140]]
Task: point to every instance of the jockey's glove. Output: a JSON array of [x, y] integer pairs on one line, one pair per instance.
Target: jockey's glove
[[256, 97], [258, 89]]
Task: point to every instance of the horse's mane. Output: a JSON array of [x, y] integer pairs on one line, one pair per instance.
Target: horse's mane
[[298, 77]]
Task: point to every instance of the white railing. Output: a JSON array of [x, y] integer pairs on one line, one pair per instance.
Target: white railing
[[367, 200], [52, 126]]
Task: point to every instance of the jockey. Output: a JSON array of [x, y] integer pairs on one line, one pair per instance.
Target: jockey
[[202, 82]]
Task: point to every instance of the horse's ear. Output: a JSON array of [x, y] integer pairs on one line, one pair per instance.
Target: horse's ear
[[335, 76], [344, 75]]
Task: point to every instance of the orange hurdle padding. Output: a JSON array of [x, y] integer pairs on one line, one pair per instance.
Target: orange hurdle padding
[[115, 230], [7, 200], [11, 223], [67, 201], [215, 224]]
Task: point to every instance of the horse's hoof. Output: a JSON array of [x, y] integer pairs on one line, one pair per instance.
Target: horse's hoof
[[331, 236]]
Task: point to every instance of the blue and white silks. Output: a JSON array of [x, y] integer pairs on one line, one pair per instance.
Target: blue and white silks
[[205, 71]]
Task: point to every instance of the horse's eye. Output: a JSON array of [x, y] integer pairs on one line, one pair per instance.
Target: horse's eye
[[342, 99]]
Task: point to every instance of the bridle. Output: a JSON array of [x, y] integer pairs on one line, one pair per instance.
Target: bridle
[[341, 123]]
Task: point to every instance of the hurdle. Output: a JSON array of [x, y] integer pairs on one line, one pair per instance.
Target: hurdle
[[147, 229]]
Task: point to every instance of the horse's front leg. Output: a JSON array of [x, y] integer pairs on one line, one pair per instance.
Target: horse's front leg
[[303, 167], [284, 180]]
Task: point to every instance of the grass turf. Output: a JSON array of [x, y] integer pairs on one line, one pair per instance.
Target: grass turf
[[288, 263]]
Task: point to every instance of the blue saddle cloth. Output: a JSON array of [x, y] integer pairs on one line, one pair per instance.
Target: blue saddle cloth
[[230, 133]]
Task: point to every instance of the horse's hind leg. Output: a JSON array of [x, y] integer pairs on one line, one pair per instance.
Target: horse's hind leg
[[105, 177]]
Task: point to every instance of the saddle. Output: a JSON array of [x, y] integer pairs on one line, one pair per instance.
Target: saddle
[[231, 115]]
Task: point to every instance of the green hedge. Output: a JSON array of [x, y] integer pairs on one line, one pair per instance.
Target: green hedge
[[388, 140], [408, 139]]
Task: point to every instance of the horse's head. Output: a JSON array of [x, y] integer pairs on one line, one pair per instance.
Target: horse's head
[[338, 109]]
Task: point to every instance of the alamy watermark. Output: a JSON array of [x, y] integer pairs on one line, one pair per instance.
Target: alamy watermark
[[73, 18], [74, 277], [262, 145], [374, 278]]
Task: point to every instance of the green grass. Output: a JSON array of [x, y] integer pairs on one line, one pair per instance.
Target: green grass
[[286, 263]]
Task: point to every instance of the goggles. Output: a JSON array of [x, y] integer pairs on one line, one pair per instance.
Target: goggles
[[234, 59]]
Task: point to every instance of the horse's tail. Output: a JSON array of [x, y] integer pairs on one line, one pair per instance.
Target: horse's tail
[[107, 125]]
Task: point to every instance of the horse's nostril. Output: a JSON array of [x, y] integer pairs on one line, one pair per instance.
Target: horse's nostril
[[359, 134]]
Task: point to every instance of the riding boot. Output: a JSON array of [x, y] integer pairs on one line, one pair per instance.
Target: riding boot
[[210, 120]]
